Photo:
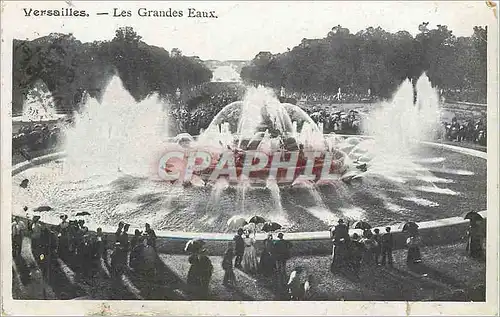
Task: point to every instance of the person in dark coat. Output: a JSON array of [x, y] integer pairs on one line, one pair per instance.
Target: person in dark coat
[[356, 251], [119, 230], [239, 244], [475, 236], [124, 244], [413, 243], [267, 260], [387, 246], [281, 254], [151, 234], [341, 231], [341, 239], [199, 275], [227, 266], [135, 248], [64, 238], [378, 248], [148, 260]]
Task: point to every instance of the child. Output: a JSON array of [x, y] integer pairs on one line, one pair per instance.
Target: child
[[227, 266]]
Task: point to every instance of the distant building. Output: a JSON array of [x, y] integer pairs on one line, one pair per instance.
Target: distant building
[[196, 58]]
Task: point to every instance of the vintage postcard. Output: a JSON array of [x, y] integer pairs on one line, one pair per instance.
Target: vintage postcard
[[249, 158]]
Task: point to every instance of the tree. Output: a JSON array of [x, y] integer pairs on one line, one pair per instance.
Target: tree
[[377, 60]]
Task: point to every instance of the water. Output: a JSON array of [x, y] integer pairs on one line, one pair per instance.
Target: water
[[397, 127], [39, 104], [114, 146], [260, 113], [117, 135]]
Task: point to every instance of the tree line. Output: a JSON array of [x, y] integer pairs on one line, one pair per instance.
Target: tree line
[[71, 69], [378, 61]]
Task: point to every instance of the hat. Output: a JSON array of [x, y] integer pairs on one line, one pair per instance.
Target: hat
[[280, 235]]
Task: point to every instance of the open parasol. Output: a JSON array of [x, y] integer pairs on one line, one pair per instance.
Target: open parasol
[[236, 222], [473, 216], [42, 208], [83, 213], [194, 245], [271, 226], [257, 220], [410, 226]]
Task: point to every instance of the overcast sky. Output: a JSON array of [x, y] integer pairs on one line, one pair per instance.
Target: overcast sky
[[245, 28]]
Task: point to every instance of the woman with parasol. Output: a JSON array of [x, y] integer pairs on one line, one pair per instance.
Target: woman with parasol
[[475, 234], [413, 242]]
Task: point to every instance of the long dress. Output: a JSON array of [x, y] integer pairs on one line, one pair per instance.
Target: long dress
[[267, 261], [250, 262], [227, 266], [199, 275], [474, 243], [414, 256]]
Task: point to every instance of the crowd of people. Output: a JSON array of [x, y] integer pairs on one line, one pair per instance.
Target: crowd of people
[[241, 254], [72, 242], [137, 254], [465, 130], [35, 137], [338, 121], [340, 96], [373, 248]]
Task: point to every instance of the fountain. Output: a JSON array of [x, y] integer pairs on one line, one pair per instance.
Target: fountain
[[115, 157], [38, 107], [117, 135]]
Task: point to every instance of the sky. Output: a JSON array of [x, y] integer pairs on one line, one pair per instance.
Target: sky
[[243, 29]]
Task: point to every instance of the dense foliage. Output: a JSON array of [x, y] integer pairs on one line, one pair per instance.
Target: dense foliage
[[376, 60], [71, 68]]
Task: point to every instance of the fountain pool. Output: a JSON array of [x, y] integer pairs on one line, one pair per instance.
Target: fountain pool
[[110, 168]]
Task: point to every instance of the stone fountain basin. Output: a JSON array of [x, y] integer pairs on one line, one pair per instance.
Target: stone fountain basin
[[334, 164], [446, 230]]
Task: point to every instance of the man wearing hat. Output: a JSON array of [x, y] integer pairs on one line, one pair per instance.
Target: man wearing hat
[[17, 236], [341, 232], [387, 246], [239, 244], [356, 254], [119, 230], [151, 235], [36, 234], [340, 235], [64, 237], [282, 254]]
